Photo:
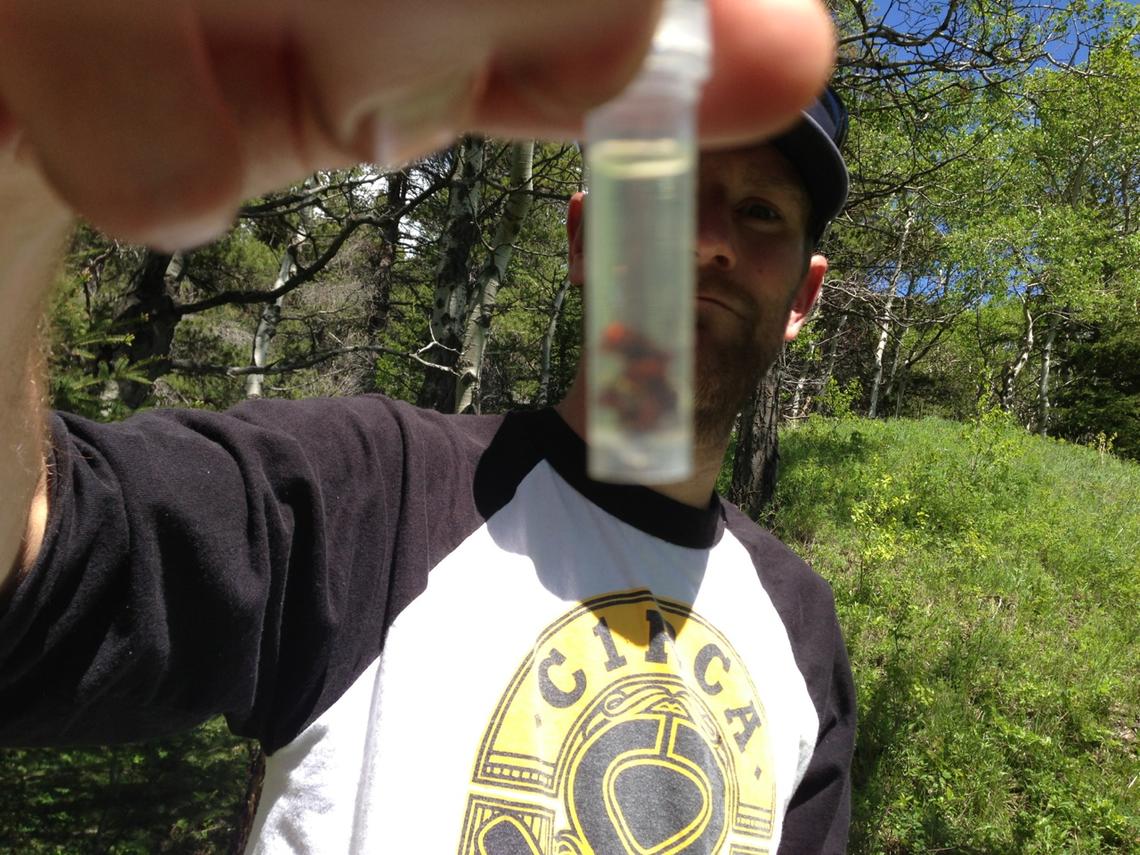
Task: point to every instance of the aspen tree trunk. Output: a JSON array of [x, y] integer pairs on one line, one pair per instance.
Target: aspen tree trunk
[[895, 363], [548, 342], [833, 351], [551, 331], [798, 397], [885, 322], [757, 457], [1043, 387], [880, 349], [271, 313], [798, 402], [899, 397], [491, 276], [453, 278], [1014, 370], [270, 317]]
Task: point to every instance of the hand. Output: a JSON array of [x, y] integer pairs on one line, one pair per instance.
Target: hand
[[154, 119]]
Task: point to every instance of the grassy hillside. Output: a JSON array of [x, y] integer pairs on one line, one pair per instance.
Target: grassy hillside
[[989, 587]]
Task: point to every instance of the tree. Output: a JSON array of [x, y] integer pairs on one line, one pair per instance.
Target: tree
[[453, 284], [756, 459], [492, 275]]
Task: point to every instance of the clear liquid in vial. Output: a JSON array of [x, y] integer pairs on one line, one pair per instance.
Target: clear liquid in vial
[[640, 229]]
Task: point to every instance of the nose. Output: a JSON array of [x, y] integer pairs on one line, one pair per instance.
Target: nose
[[715, 246]]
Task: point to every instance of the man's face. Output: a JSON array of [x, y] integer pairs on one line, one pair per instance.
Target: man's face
[[755, 284]]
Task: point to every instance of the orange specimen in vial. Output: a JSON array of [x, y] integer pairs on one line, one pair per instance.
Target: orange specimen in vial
[[641, 394]]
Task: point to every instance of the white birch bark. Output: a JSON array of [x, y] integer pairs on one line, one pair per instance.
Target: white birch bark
[[453, 277], [833, 350], [491, 276], [880, 350], [1043, 387], [548, 342], [270, 316], [463, 205], [886, 319], [801, 384], [895, 368], [1014, 370]]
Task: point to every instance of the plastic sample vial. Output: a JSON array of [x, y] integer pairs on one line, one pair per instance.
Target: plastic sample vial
[[640, 220]]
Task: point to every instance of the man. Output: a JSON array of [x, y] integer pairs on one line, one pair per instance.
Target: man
[[447, 638]]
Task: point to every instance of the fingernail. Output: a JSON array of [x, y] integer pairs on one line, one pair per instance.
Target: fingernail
[[188, 234], [422, 118]]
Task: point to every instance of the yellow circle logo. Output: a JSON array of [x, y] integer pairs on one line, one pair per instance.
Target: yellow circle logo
[[632, 727]]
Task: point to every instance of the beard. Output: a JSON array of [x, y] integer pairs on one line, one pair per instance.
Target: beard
[[733, 355]]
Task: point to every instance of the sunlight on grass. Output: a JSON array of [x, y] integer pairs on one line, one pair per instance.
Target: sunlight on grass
[[988, 584]]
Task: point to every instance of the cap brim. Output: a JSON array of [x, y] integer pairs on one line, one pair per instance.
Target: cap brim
[[822, 170]]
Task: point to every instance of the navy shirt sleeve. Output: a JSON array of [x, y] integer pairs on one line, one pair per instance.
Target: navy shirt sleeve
[[201, 563], [819, 814]]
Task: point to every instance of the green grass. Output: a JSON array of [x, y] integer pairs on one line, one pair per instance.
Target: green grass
[[179, 795], [988, 583]]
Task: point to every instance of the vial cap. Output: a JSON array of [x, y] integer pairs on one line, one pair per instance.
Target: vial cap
[[681, 43]]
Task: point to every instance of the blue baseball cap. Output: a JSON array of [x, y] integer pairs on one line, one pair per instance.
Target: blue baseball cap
[[813, 147]]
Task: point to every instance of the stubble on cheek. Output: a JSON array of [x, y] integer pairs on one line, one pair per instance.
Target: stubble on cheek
[[728, 369], [735, 348]]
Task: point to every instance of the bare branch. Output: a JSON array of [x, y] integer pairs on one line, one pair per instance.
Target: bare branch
[[284, 366], [307, 273]]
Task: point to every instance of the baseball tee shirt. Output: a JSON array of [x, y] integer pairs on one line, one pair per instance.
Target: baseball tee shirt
[[447, 638]]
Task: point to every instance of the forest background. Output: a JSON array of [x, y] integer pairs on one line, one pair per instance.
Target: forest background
[[957, 419]]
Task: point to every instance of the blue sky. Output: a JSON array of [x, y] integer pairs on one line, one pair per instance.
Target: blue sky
[[922, 16]]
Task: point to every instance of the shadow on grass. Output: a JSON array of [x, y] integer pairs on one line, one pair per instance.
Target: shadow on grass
[[179, 795], [883, 716], [819, 464], [891, 813]]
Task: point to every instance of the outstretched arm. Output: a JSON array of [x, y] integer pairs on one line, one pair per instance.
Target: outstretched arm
[[33, 227]]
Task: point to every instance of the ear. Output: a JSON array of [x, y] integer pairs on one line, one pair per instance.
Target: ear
[[574, 232], [805, 296]]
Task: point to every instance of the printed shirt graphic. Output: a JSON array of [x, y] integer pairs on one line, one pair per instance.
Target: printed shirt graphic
[[642, 737]]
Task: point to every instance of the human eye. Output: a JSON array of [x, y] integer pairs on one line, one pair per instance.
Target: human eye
[[760, 212]]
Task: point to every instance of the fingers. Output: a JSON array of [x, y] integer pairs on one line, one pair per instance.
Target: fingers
[[116, 104], [407, 82], [770, 59], [389, 87], [8, 130], [547, 74], [154, 118]]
